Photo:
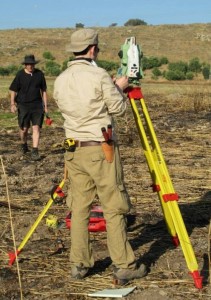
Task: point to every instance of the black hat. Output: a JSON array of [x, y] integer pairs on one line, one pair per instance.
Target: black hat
[[29, 59]]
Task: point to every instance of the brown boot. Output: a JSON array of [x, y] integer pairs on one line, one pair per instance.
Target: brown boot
[[122, 276], [79, 272]]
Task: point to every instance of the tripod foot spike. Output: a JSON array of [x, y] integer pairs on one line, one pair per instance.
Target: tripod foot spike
[[119, 282], [197, 279], [175, 241], [12, 257]]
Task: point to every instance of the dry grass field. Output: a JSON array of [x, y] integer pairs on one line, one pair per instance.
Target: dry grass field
[[180, 113], [176, 42]]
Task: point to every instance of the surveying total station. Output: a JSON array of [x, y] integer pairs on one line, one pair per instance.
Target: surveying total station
[[131, 66], [131, 61]]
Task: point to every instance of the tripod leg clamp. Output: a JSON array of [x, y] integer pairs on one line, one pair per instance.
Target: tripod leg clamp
[[58, 191]]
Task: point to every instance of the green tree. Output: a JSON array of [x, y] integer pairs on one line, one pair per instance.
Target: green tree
[[135, 22], [113, 25], [79, 25]]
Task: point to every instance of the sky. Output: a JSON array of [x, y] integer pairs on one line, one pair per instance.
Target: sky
[[100, 13]]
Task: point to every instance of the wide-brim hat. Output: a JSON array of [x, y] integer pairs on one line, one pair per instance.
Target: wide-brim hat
[[29, 59], [81, 39]]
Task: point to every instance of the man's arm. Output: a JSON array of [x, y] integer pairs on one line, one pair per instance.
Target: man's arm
[[45, 101], [114, 97], [121, 83], [13, 107]]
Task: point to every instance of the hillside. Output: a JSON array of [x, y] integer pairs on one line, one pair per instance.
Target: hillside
[[176, 42]]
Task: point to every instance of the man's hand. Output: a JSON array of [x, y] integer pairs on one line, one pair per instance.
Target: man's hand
[[13, 108], [122, 82], [46, 110]]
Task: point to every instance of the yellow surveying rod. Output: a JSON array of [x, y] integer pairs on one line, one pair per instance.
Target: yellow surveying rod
[[13, 255], [162, 184]]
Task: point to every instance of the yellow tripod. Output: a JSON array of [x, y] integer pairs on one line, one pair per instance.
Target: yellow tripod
[[162, 183], [56, 193]]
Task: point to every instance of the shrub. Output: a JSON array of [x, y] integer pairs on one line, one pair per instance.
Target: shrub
[[10, 70], [189, 75], [52, 68], [48, 55], [4, 71], [150, 62], [164, 60], [175, 75], [156, 72], [135, 22], [64, 64], [107, 65], [206, 72], [194, 65], [178, 66]]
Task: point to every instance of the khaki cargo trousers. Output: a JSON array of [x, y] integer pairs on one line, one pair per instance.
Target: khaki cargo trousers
[[89, 174]]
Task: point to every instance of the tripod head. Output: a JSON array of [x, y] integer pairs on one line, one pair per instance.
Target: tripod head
[[131, 61]]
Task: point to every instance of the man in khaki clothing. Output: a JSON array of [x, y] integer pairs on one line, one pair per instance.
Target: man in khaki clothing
[[87, 98]]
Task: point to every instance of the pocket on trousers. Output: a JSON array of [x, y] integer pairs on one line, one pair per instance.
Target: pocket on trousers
[[69, 156], [97, 157], [122, 202]]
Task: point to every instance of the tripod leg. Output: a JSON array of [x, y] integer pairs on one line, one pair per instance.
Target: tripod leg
[[152, 164], [164, 187], [13, 255]]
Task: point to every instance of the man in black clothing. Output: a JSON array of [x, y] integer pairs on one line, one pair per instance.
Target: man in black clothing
[[29, 97]]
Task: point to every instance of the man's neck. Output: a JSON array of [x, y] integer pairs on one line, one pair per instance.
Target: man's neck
[[28, 72], [83, 58]]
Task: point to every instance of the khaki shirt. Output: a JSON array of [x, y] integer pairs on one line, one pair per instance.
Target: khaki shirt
[[87, 99]]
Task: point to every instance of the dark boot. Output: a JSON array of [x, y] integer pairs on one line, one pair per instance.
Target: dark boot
[[24, 148], [35, 154]]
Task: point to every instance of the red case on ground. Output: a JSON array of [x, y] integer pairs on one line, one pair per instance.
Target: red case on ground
[[96, 220]]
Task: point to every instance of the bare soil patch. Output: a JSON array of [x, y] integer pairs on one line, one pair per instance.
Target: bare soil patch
[[184, 137]]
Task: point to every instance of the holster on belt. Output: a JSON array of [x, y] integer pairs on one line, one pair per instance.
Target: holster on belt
[[108, 149]]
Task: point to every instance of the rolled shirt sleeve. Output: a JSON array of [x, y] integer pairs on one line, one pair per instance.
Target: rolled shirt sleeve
[[114, 100]]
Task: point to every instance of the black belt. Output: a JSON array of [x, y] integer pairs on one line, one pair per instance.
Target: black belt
[[86, 143]]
